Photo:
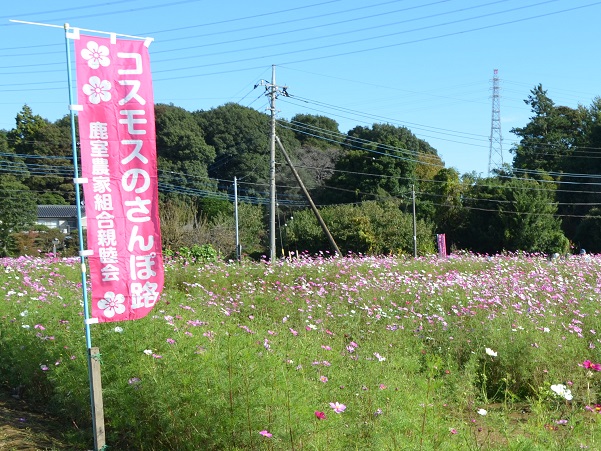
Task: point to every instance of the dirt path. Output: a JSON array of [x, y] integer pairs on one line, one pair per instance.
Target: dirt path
[[22, 429]]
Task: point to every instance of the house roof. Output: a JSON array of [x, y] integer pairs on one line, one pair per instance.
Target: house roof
[[57, 211]]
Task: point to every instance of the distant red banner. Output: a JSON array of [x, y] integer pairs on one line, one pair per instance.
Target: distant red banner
[[118, 157], [441, 241]]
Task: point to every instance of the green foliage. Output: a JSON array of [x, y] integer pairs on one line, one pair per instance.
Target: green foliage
[[37, 138], [211, 207], [240, 137], [199, 254], [316, 131], [183, 154], [388, 153], [548, 139], [372, 228], [17, 210], [512, 214], [587, 234]]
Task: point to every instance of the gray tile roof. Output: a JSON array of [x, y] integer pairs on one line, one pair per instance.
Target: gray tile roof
[[57, 211]]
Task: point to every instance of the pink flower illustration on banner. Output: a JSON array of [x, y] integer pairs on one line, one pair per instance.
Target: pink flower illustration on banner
[[97, 90], [96, 55], [112, 304]]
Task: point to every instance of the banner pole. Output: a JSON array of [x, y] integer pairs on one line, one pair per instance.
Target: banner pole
[[98, 437]]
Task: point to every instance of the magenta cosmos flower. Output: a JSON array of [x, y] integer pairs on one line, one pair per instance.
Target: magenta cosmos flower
[[266, 433], [320, 415], [591, 366]]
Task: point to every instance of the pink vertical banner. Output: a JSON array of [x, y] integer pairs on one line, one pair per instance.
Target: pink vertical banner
[[441, 240], [118, 159]]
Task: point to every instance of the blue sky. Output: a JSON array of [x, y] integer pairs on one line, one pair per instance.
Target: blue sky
[[427, 65]]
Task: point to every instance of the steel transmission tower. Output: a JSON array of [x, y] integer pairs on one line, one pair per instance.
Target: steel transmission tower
[[495, 153]]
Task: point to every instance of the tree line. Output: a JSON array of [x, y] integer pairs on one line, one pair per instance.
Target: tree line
[[362, 180]]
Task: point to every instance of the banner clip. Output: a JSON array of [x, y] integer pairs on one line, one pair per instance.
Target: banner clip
[[72, 33], [91, 321], [86, 253], [80, 180], [75, 107]]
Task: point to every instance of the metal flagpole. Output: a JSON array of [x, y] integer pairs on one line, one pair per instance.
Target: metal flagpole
[[93, 353], [98, 438]]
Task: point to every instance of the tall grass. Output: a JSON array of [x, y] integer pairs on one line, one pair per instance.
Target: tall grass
[[254, 356]]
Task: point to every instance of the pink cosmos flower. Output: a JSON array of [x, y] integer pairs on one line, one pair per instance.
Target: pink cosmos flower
[[338, 408], [266, 433], [323, 379], [320, 415]]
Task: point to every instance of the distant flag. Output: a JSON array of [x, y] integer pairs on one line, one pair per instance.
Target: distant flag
[[118, 159], [441, 241]]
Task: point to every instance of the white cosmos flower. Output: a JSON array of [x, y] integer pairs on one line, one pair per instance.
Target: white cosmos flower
[[97, 55], [148, 351], [119, 330], [490, 352], [482, 412], [112, 304], [563, 391], [97, 90]]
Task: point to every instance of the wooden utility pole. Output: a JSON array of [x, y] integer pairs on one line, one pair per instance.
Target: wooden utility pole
[[238, 247], [414, 223], [272, 206]]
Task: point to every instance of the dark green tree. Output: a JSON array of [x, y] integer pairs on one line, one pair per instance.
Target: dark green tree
[[46, 150], [240, 137], [513, 214], [321, 145], [548, 139], [445, 195], [9, 162], [183, 154], [316, 131], [579, 190], [17, 210], [379, 162], [588, 234]]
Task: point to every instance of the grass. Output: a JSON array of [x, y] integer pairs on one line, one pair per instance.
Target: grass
[[250, 356]]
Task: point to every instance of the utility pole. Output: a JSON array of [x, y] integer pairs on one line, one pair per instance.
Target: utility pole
[[495, 152], [272, 206], [414, 223], [238, 247], [272, 91]]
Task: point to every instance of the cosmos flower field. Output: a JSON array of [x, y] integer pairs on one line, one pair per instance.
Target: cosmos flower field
[[383, 353]]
